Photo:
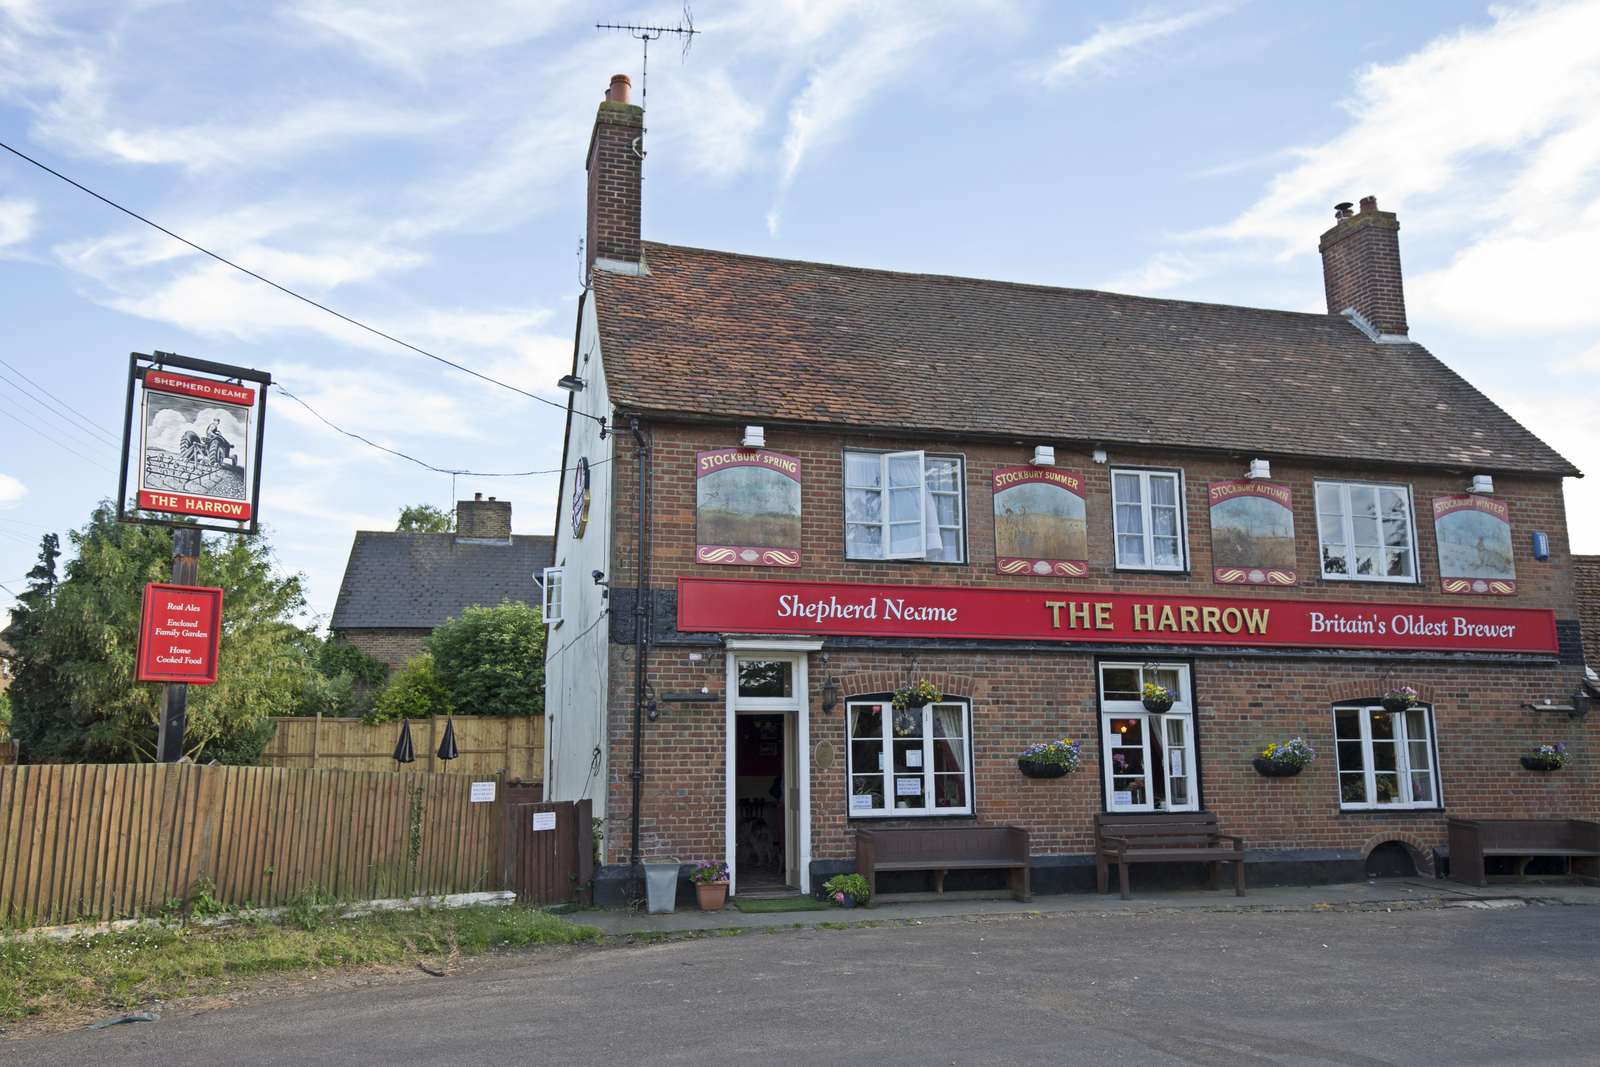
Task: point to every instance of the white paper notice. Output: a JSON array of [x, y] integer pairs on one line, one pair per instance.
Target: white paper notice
[[544, 820], [1122, 799], [482, 791], [860, 803], [908, 787], [1177, 763], [914, 758]]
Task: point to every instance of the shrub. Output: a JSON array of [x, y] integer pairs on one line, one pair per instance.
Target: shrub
[[416, 693], [853, 886]]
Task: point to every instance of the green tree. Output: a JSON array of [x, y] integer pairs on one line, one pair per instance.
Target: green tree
[[416, 692], [350, 680], [78, 648], [492, 660], [35, 684], [425, 518]]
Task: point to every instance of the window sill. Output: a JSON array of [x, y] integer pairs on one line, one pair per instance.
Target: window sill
[[1181, 573], [1390, 810], [924, 562], [1368, 581]]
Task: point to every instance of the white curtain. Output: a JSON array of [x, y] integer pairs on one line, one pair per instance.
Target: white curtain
[[950, 726], [932, 544]]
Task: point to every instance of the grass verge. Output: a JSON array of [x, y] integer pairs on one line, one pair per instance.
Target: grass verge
[[781, 904], [134, 967]]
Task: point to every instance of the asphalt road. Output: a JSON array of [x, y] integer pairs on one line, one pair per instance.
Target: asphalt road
[[1454, 987]]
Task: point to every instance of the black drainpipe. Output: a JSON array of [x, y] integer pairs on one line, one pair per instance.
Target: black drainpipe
[[640, 648]]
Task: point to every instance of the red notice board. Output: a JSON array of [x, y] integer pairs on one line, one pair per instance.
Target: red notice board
[[179, 634]]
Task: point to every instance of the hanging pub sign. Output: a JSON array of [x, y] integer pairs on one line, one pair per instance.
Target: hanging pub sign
[[1474, 535], [775, 606], [747, 508], [179, 634], [191, 443], [1252, 533], [1039, 523]]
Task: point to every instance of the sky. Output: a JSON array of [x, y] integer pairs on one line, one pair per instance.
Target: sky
[[419, 167]]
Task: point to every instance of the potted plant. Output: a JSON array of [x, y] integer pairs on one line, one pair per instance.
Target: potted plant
[[1285, 760], [847, 890], [710, 884], [1049, 759], [1400, 699], [1547, 757], [916, 695], [1157, 698]]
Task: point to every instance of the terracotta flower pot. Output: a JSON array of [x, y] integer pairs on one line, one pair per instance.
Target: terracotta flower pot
[[713, 895]]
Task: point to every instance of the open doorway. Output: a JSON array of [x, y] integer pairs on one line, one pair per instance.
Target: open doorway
[[762, 830]]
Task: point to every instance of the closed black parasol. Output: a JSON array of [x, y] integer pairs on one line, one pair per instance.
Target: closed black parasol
[[403, 752], [447, 747]]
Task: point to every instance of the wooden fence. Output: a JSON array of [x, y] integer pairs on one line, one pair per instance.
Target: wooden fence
[[549, 860], [487, 746], [111, 841]]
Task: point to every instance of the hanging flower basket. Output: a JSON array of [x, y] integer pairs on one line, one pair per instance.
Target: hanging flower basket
[[1276, 768], [916, 695], [1547, 757], [1049, 759], [1157, 698], [1400, 699]]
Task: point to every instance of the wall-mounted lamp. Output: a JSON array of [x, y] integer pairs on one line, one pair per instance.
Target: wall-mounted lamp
[[754, 437], [1100, 455], [1576, 706], [571, 383], [1044, 455], [830, 695], [1260, 468], [1482, 483]]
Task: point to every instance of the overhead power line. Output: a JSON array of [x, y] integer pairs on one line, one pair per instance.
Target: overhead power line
[[58, 444], [58, 403], [411, 459], [290, 292]]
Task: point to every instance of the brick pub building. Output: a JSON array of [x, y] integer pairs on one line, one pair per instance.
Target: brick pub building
[[1038, 500]]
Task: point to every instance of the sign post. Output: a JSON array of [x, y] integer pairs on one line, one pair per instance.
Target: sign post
[[192, 446]]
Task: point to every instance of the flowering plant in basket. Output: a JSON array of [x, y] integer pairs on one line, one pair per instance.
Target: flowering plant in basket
[[916, 695], [1400, 699], [1061, 753], [1548, 757], [1295, 753], [709, 873], [1157, 698]]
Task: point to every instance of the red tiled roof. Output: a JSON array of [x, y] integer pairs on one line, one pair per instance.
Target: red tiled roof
[[738, 337]]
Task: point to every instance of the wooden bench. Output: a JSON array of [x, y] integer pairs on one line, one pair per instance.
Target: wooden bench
[[941, 850], [1523, 840], [1165, 837]]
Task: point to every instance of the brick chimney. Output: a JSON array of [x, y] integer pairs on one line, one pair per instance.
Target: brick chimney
[[1361, 270], [616, 154], [483, 520]]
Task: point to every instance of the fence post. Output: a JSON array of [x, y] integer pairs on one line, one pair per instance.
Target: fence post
[[507, 768], [433, 741], [316, 741]]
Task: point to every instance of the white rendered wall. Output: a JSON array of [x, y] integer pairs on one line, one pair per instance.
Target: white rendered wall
[[576, 651]]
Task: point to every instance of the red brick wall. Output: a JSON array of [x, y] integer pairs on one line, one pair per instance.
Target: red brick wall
[[1017, 697], [391, 645], [614, 190]]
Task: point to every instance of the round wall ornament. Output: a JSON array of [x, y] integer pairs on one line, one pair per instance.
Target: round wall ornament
[[580, 498], [824, 755]]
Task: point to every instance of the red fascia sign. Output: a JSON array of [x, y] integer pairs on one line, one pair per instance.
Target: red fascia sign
[[763, 607], [179, 634]]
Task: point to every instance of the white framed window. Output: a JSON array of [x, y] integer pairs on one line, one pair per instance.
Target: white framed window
[[1386, 758], [1147, 761], [552, 595], [903, 505], [909, 763], [1366, 532], [1148, 509]]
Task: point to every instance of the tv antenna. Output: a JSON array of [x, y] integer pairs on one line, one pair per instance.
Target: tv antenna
[[655, 33]]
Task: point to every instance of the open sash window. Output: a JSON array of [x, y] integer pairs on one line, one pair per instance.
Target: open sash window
[[917, 761], [552, 595], [903, 505]]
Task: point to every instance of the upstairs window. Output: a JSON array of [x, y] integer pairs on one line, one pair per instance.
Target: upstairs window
[[903, 505], [1365, 532], [552, 595], [1149, 520]]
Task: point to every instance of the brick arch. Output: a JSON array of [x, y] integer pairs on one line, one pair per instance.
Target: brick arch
[[859, 683], [1421, 853], [1374, 687]]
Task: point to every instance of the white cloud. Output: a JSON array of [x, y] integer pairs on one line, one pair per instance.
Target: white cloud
[[1113, 43], [11, 491], [16, 221], [410, 34]]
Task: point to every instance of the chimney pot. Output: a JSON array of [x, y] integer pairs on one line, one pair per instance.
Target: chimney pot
[[1369, 203], [620, 86], [477, 496]]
